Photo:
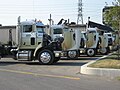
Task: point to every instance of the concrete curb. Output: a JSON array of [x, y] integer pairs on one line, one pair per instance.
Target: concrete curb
[[112, 73]]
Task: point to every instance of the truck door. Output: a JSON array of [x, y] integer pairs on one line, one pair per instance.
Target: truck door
[[28, 36], [40, 31]]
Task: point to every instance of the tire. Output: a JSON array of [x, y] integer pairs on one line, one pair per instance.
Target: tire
[[46, 57], [115, 48], [104, 51], [72, 54], [56, 60], [90, 52]]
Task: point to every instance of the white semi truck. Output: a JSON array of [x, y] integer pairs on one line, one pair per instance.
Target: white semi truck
[[103, 43], [92, 41], [32, 43], [71, 37], [98, 42]]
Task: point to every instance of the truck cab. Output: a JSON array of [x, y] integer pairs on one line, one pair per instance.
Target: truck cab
[[30, 34], [111, 39], [56, 31], [92, 41]]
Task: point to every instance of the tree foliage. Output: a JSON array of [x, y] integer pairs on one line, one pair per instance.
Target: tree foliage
[[112, 17]]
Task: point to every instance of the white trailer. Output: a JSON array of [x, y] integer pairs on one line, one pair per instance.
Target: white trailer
[[5, 34]]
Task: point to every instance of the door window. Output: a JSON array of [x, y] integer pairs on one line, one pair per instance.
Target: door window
[[27, 28]]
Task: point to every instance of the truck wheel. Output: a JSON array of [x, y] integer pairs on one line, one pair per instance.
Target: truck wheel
[[56, 59], [90, 52], [46, 57], [104, 51], [115, 48], [72, 54]]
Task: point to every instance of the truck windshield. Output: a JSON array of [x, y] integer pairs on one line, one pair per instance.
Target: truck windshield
[[40, 29], [110, 35], [57, 31], [92, 32]]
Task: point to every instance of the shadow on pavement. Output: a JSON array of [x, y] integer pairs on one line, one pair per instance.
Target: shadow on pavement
[[60, 63]]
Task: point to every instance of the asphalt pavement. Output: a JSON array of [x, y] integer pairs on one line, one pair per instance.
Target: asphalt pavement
[[65, 75]]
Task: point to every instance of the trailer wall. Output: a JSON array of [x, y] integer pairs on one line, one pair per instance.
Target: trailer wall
[[4, 34]]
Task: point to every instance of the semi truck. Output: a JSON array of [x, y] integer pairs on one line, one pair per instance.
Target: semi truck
[[92, 41], [71, 37], [32, 43], [100, 41]]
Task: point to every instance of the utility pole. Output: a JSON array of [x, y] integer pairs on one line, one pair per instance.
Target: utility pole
[[80, 15]]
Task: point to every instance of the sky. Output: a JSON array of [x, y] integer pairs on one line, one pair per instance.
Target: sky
[[41, 10]]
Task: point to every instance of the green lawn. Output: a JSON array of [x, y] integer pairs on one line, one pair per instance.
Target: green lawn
[[109, 62]]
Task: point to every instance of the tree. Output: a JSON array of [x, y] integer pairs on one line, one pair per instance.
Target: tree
[[119, 1], [112, 17]]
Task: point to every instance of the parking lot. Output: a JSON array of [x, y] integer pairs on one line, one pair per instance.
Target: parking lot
[[64, 75], [63, 67]]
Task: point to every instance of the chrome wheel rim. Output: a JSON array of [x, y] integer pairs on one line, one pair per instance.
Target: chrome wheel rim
[[90, 52], [72, 54], [45, 57]]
